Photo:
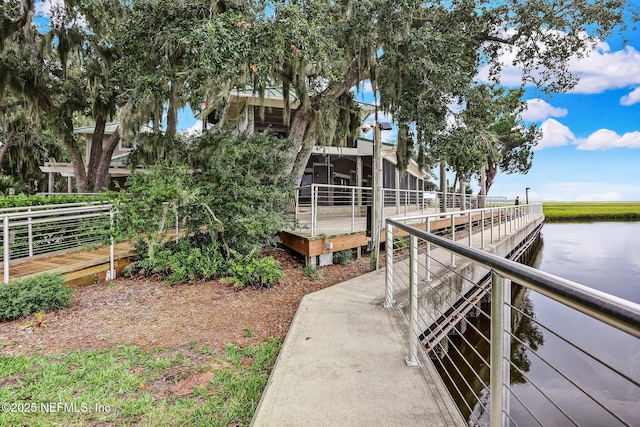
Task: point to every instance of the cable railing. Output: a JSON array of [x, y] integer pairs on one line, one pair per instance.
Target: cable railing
[[37, 230], [481, 332], [321, 208]]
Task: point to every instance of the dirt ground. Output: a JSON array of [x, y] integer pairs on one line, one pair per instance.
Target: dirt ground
[[150, 314]]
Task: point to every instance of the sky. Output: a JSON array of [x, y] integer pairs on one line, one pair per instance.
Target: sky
[[590, 148]]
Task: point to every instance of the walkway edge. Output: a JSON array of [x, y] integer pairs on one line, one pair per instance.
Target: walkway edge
[[342, 363]]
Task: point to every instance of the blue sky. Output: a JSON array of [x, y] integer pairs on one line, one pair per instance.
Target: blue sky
[[590, 149]]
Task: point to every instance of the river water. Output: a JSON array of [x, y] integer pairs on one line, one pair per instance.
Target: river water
[[601, 255]]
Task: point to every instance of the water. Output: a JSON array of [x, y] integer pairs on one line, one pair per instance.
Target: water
[[604, 256]]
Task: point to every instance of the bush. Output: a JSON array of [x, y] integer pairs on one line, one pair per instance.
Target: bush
[[343, 257], [244, 270], [181, 262], [20, 200], [243, 180], [23, 297], [312, 271]]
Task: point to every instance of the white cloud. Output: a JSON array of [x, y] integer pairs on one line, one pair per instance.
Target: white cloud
[[195, 129], [609, 196], [606, 139], [632, 98], [554, 134], [600, 70], [538, 109], [603, 69], [588, 192]]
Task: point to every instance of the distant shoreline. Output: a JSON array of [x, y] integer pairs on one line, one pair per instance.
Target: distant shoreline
[[591, 211]]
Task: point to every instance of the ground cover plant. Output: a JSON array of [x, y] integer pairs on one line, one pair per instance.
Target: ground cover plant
[[591, 211], [130, 386]]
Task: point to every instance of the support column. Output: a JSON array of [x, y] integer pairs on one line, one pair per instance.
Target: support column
[[51, 186]]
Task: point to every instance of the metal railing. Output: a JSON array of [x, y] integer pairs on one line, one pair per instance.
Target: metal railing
[[439, 298], [37, 230], [329, 208]]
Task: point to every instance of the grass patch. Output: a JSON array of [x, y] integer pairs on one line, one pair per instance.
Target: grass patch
[[591, 211], [123, 386]]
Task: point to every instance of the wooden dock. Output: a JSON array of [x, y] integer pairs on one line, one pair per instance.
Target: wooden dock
[[78, 266]]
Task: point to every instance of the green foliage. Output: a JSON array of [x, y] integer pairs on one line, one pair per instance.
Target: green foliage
[[181, 262], [591, 211], [251, 269], [243, 182], [23, 297], [343, 257], [312, 271], [400, 243], [20, 200], [150, 203]]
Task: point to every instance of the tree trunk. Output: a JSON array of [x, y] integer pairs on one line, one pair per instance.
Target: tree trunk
[[95, 153], [6, 144], [492, 171], [172, 112], [303, 118], [301, 150], [76, 156], [102, 174]]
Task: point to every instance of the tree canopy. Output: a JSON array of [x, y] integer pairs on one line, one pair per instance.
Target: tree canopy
[[142, 60]]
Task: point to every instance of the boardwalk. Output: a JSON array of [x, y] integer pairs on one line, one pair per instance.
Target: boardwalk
[[78, 266]]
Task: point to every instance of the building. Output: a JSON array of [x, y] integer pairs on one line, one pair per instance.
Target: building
[[350, 165]]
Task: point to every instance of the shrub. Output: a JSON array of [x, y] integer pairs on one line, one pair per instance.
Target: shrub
[[243, 181], [23, 297], [251, 269], [312, 271], [343, 257], [181, 262]]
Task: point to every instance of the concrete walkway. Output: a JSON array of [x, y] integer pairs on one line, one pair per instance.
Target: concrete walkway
[[342, 364]]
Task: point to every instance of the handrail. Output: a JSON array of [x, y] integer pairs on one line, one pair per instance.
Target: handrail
[[324, 202], [49, 207], [441, 308], [28, 232], [612, 310]]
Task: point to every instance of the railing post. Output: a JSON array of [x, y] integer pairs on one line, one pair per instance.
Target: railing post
[[496, 352], [177, 226], [297, 206], [313, 210], [353, 210], [111, 274], [6, 254], [388, 249], [428, 252], [500, 348], [470, 228], [483, 218], [412, 359], [492, 225], [453, 239], [30, 233]]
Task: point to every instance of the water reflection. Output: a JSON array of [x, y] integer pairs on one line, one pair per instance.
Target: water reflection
[[605, 256]]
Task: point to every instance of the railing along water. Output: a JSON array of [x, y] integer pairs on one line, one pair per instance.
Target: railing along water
[[336, 208], [422, 273], [37, 230]]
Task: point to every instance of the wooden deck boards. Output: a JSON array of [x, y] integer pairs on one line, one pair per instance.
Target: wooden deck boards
[[68, 262]]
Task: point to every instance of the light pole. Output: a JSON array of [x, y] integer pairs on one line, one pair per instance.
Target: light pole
[[526, 195]]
